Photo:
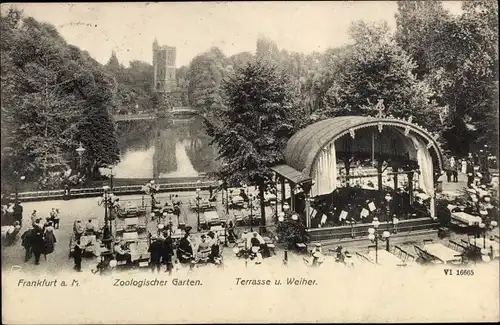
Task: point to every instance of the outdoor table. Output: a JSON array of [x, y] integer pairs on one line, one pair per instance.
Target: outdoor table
[[479, 243], [385, 258], [130, 236], [442, 252], [465, 218]]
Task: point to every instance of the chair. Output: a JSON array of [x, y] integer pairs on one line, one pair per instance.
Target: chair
[[410, 258], [427, 241], [455, 246], [398, 252]]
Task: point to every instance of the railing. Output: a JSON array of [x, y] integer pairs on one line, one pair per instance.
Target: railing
[[361, 230], [118, 190]]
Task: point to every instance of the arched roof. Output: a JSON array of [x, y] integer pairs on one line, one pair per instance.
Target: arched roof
[[305, 145]]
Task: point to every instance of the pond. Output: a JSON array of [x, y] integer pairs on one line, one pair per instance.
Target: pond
[[164, 148]]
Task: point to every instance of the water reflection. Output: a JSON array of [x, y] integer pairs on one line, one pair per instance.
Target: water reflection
[[164, 148]]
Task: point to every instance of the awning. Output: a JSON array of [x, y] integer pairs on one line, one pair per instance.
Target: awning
[[291, 174]]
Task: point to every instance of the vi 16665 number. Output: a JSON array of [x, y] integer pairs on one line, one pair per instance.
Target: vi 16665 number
[[459, 272]]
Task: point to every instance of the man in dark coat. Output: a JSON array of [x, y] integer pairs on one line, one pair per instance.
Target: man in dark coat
[[168, 252], [27, 238], [155, 251], [77, 256], [18, 213], [185, 250], [38, 245]]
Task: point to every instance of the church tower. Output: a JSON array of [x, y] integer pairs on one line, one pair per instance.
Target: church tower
[[164, 64]]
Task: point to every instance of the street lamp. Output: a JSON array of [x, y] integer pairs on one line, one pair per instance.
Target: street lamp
[[286, 207], [16, 184], [388, 199], [373, 235], [107, 197], [198, 206], [80, 150], [281, 216]]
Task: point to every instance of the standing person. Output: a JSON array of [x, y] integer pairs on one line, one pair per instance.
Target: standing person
[[168, 252], [454, 170], [18, 213], [50, 241], [77, 256], [56, 219], [27, 238], [33, 217], [155, 250], [38, 245], [464, 166], [52, 215], [470, 172], [211, 191], [185, 249]]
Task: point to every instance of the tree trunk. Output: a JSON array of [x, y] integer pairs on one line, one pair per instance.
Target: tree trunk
[[262, 189]]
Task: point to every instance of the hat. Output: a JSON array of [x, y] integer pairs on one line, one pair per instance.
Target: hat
[[153, 237], [317, 244], [203, 236], [117, 240], [211, 234], [188, 229]]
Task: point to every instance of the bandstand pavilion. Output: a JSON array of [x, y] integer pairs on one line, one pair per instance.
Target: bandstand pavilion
[[375, 156]]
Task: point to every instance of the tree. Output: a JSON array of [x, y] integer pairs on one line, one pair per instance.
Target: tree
[[376, 68], [254, 126], [46, 86], [205, 76], [458, 57]]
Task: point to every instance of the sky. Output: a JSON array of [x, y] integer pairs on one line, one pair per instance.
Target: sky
[[130, 28]]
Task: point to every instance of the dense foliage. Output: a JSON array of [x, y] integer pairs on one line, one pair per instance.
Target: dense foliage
[[254, 126], [51, 94]]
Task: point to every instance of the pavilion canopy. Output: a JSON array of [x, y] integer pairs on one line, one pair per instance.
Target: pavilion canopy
[[303, 148], [291, 174]]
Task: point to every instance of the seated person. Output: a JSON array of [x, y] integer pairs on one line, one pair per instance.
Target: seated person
[[121, 253], [78, 228], [90, 228]]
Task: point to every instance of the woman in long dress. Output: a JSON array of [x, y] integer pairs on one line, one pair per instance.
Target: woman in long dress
[[50, 241]]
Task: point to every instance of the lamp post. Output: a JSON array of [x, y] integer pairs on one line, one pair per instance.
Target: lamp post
[[198, 206], [251, 212], [373, 235], [107, 197], [388, 199], [16, 184], [281, 218], [80, 150]]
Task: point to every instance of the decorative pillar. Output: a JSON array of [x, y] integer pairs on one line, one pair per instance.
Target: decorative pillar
[[395, 171], [292, 197], [307, 191], [379, 177], [410, 185], [283, 191]]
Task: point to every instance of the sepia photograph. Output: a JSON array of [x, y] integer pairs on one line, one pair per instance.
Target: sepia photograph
[[201, 162]]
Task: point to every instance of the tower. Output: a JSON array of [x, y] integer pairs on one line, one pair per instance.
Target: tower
[[164, 58]]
